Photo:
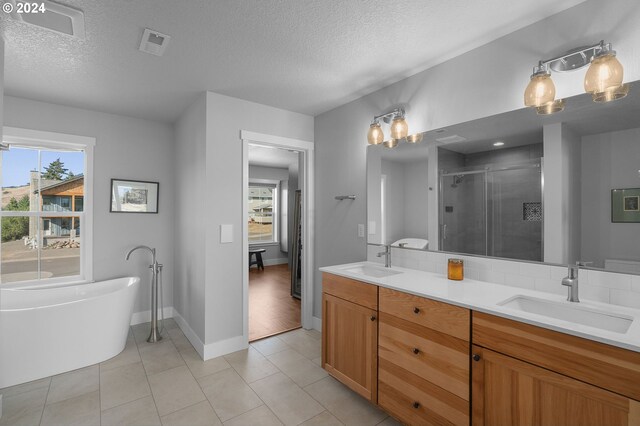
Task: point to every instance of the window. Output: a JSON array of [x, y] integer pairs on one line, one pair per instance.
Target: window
[[263, 212], [43, 192]]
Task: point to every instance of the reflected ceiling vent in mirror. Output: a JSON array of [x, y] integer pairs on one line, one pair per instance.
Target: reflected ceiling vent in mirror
[[398, 130], [154, 42], [46, 14], [603, 79], [451, 139]]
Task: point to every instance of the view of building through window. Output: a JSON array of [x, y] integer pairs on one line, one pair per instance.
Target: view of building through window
[[262, 206], [42, 205]]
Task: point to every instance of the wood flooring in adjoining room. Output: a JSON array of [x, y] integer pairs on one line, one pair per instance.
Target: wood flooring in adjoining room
[[272, 310]]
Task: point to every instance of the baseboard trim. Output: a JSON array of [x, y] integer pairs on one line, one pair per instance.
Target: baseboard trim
[[271, 262], [145, 316], [224, 347], [189, 333], [317, 324]]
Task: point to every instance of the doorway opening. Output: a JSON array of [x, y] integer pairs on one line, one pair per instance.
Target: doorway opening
[[278, 241], [274, 257]]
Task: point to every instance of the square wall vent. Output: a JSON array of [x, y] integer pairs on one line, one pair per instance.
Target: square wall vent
[[451, 139], [154, 42], [52, 16]]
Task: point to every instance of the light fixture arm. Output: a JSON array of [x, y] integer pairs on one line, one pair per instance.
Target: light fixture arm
[[386, 117], [587, 53]]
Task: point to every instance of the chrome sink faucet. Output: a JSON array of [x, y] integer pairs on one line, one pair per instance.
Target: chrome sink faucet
[[387, 256], [571, 281]]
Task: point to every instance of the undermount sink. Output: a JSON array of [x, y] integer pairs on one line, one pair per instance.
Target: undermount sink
[[571, 312], [371, 271]]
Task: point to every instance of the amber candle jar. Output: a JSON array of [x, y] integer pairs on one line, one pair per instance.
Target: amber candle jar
[[455, 270]]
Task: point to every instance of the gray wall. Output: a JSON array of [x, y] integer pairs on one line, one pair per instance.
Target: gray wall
[[464, 88], [121, 144], [273, 252], [226, 117], [609, 161], [189, 290]]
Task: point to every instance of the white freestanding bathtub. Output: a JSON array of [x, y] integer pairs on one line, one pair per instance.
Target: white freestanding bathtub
[[47, 331]]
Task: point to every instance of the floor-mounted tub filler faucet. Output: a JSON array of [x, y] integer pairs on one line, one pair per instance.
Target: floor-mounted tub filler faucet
[[387, 256], [156, 269]]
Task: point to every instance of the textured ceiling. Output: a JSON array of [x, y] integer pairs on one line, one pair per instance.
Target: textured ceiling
[[307, 56]]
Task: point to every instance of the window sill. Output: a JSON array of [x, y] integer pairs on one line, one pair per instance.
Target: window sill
[[267, 244]]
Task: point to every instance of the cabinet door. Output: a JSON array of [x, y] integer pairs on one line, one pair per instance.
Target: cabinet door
[[349, 344], [507, 391]]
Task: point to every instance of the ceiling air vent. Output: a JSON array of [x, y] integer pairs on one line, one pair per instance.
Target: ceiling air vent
[[52, 16], [154, 42], [451, 139]]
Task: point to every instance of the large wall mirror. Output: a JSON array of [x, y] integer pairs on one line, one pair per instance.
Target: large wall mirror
[[557, 189]]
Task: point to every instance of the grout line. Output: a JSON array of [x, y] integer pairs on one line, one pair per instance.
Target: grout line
[[45, 400]]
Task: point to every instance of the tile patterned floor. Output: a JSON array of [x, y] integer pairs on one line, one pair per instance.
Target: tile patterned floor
[[277, 381]]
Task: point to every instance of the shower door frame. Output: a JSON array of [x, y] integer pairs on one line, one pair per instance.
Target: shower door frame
[[486, 170], [442, 225]]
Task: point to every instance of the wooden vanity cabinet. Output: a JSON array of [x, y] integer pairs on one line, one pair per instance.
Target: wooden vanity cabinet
[[527, 375], [423, 356], [350, 333]]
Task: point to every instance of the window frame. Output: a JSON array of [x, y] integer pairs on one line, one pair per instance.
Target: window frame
[[51, 141], [275, 214]]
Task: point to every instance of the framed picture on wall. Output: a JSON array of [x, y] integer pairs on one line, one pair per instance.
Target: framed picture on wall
[[134, 196], [625, 205]]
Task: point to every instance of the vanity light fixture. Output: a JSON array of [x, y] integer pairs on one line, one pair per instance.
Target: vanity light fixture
[[603, 79], [498, 143], [399, 130]]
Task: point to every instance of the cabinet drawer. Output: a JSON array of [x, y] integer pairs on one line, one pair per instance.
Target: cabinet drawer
[[415, 401], [352, 290], [436, 357], [605, 366], [436, 315]]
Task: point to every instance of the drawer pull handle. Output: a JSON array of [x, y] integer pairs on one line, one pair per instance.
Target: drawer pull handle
[[416, 351], [416, 404], [416, 310], [373, 317], [476, 357]]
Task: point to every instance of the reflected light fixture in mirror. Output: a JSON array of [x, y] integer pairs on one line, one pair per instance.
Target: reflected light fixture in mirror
[[603, 79], [399, 129]]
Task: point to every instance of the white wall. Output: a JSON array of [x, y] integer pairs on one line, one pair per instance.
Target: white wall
[[190, 225], [609, 161], [486, 81], [226, 117], [126, 148]]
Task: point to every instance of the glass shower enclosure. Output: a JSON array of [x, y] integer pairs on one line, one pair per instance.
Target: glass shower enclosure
[[493, 211]]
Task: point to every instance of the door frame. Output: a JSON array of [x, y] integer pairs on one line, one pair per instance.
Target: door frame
[[306, 150]]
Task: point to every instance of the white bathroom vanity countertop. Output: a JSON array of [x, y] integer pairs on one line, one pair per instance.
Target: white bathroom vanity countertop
[[486, 297]]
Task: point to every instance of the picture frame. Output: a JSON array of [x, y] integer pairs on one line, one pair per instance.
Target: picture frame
[[625, 205], [134, 196]]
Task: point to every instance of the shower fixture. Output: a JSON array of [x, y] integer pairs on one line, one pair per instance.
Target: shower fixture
[[603, 79], [457, 180], [399, 129]]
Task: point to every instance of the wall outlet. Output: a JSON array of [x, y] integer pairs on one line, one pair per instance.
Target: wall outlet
[[361, 230]]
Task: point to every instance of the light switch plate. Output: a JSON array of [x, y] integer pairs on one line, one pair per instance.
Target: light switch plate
[[361, 230], [226, 234]]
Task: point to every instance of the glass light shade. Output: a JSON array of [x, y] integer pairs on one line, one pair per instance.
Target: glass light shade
[[540, 90], [415, 138], [375, 136], [551, 107], [399, 128], [611, 94], [391, 143], [605, 73]]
